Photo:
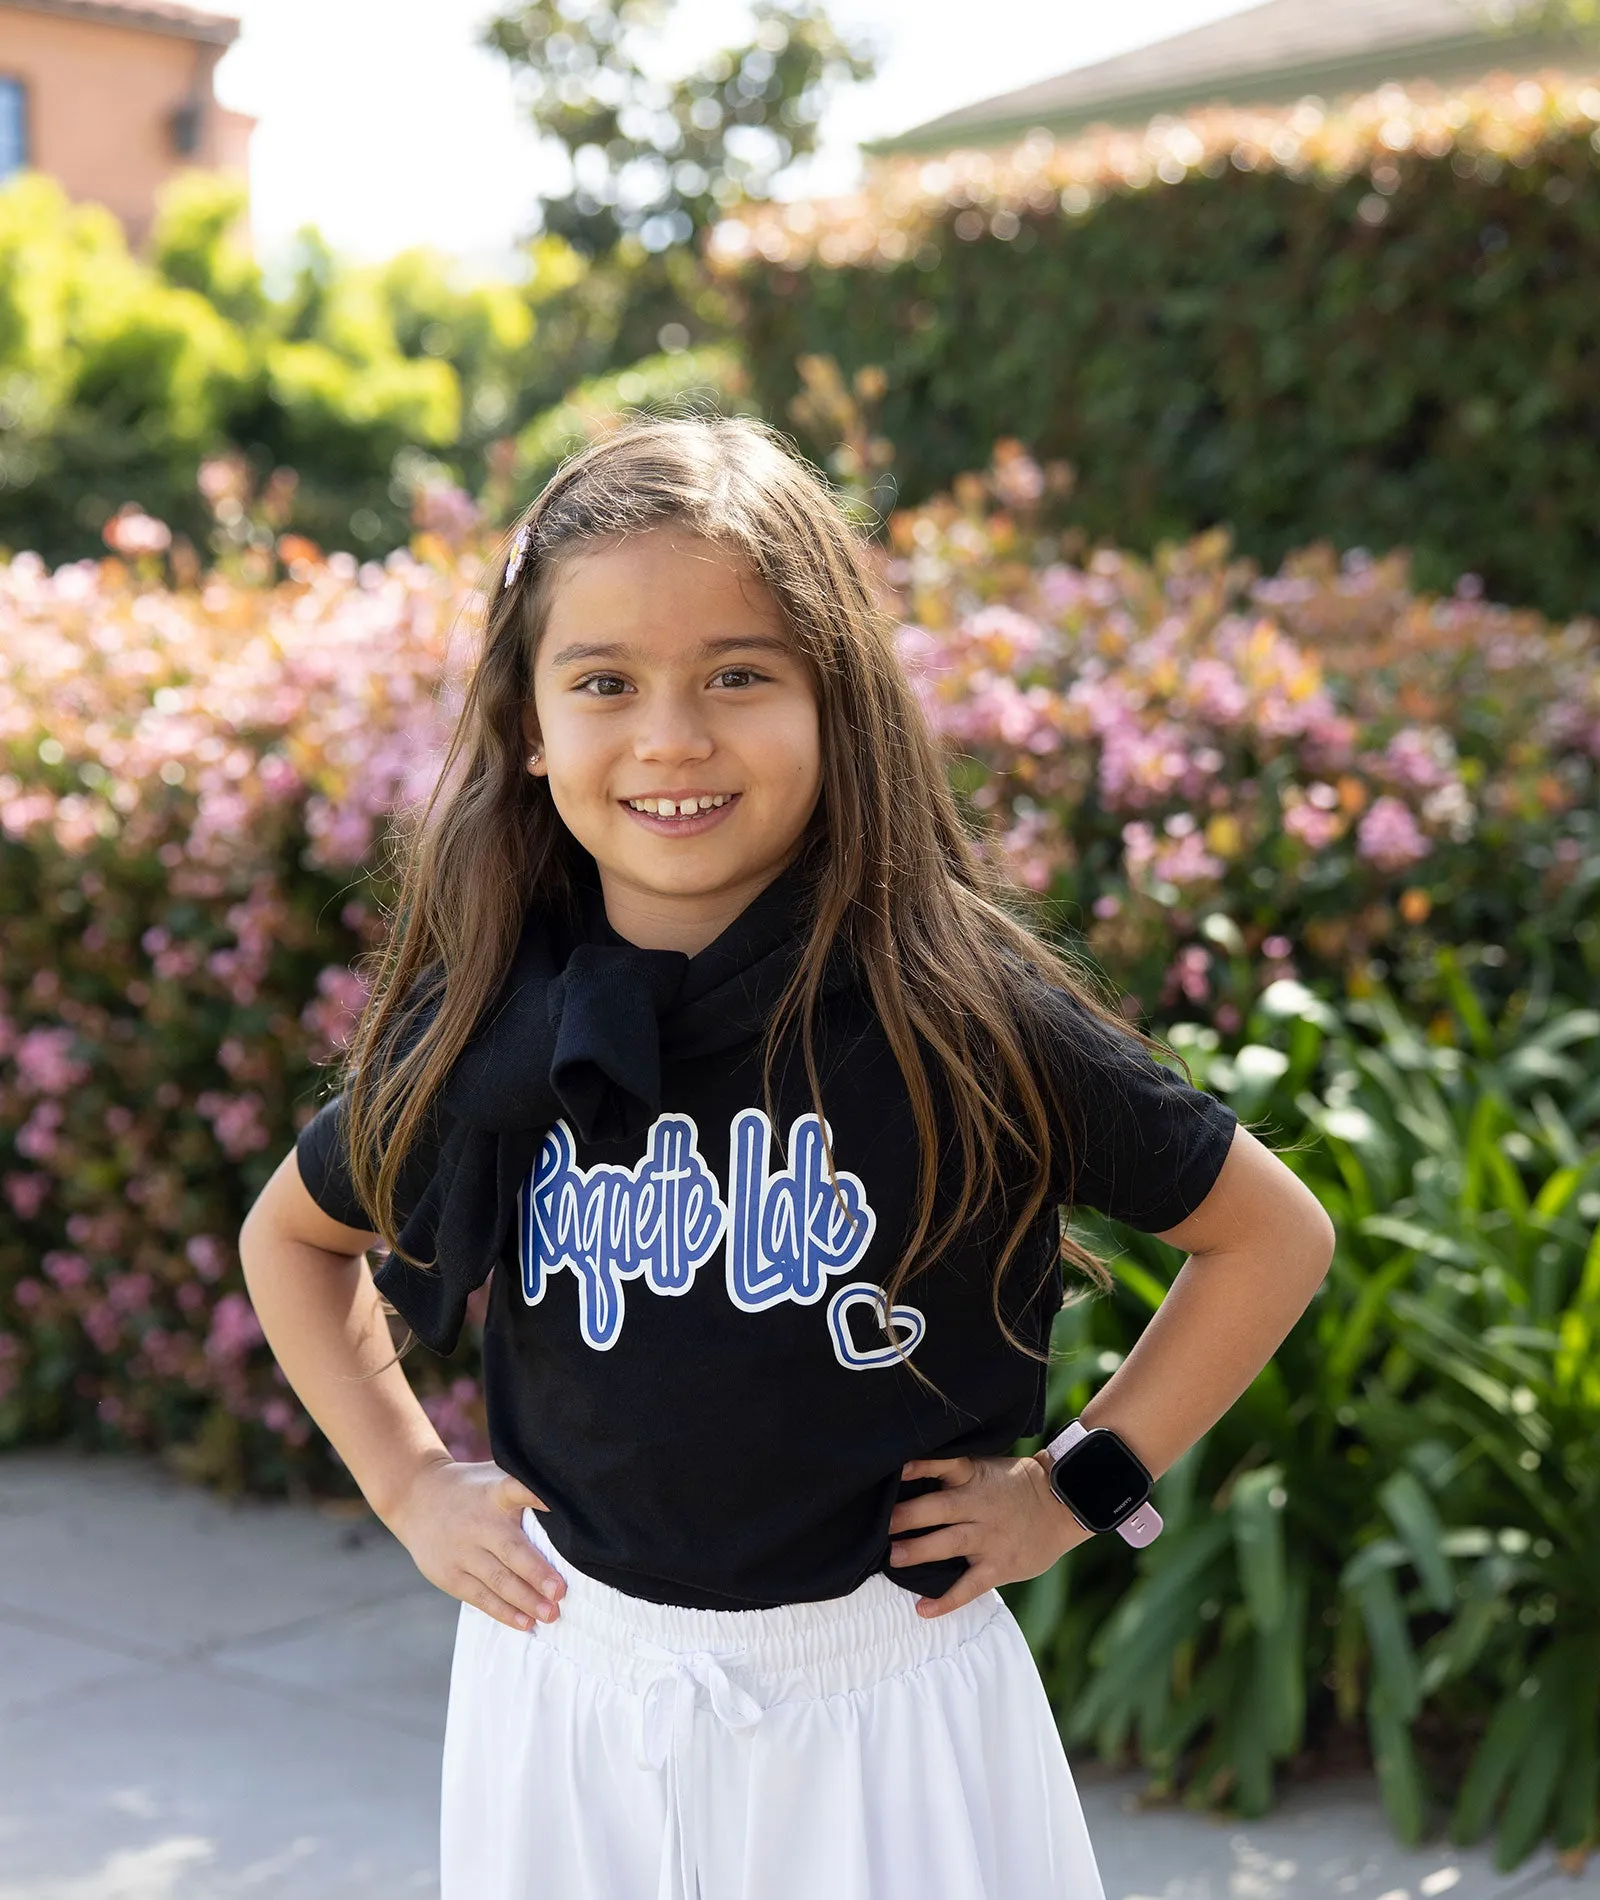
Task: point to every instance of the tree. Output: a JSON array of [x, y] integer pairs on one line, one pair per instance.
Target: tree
[[658, 159]]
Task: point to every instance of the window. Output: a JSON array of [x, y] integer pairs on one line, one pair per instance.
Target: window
[[13, 127]]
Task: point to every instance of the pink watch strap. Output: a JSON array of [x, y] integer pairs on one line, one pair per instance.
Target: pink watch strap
[[1139, 1527]]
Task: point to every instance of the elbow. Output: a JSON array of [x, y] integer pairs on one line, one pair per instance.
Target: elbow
[[1321, 1242]]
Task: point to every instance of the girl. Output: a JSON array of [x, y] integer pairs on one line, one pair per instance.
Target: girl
[[703, 1022]]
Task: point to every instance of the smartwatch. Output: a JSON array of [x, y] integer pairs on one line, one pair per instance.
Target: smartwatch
[[1102, 1483]]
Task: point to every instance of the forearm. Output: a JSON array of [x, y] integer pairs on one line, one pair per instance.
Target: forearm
[[323, 1319], [1225, 1315]]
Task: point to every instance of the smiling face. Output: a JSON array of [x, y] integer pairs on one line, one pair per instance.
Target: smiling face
[[679, 731]]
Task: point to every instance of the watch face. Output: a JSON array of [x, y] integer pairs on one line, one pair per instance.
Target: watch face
[[1100, 1481]]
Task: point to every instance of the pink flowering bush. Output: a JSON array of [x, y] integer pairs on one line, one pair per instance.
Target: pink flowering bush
[[195, 773], [1223, 779]]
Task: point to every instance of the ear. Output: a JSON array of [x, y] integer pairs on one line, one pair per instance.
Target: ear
[[531, 742]]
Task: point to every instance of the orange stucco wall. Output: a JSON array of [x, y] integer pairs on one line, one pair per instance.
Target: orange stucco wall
[[100, 100]]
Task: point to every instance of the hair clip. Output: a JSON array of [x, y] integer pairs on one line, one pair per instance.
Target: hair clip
[[519, 547]]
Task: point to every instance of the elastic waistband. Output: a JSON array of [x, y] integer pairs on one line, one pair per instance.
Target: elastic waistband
[[822, 1648]]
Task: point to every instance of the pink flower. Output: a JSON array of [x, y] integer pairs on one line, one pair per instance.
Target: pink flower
[[132, 532], [1421, 756], [68, 1270], [37, 1139], [1188, 862], [1011, 639], [236, 1121], [207, 1255], [1018, 479], [454, 1416], [1315, 829], [26, 1193], [45, 1062], [129, 1292], [1388, 837], [443, 509], [234, 1329], [1141, 768], [1188, 973], [332, 1014], [101, 1323], [1139, 847], [1216, 693]]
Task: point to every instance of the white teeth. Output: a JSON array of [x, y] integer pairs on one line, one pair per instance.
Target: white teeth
[[680, 808]]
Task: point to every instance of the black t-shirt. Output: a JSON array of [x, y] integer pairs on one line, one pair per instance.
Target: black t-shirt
[[684, 1355]]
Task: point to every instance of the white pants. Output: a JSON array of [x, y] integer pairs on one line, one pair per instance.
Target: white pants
[[843, 1750]]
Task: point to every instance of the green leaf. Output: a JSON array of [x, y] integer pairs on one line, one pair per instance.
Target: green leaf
[[1175, 1488], [1399, 1778], [1350, 1338], [1140, 1281], [1577, 1815], [1278, 1683], [1574, 1668], [1145, 1627], [1412, 1513], [1040, 1611], [1465, 998], [1394, 1662], [1510, 1732], [1256, 1510], [1533, 1785], [1455, 1648], [1424, 1240]]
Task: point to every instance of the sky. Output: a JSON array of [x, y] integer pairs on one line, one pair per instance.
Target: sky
[[384, 124]]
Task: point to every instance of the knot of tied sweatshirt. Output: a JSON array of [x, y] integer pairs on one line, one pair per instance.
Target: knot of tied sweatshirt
[[578, 1032]]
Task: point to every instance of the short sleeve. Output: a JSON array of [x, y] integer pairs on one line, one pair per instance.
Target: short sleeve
[[324, 1167], [1146, 1148]]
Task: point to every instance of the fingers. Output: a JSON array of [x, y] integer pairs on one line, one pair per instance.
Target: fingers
[[951, 1470], [951, 1540], [972, 1582], [513, 1495], [520, 1592], [933, 1507], [475, 1591]]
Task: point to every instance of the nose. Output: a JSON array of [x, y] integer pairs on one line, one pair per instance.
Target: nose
[[673, 731]]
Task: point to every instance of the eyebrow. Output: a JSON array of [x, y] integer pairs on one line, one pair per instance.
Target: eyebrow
[[707, 650]]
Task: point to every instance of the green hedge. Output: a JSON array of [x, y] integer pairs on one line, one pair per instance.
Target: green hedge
[[1380, 347]]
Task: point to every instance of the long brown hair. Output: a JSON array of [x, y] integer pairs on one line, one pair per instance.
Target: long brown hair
[[951, 971]]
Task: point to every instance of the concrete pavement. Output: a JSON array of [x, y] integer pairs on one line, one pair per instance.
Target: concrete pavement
[[206, 1700]]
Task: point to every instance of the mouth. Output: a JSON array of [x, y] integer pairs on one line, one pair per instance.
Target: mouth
[[684, 814]]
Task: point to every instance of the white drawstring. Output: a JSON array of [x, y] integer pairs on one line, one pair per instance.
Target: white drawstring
[[666, 1729]]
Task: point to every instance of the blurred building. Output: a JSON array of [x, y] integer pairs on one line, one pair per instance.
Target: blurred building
[[112, 97], [1271, 54]]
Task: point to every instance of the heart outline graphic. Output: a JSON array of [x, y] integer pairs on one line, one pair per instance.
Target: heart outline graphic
[[906, 1324]]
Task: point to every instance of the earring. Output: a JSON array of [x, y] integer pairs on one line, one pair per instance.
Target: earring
[[535, 756]]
